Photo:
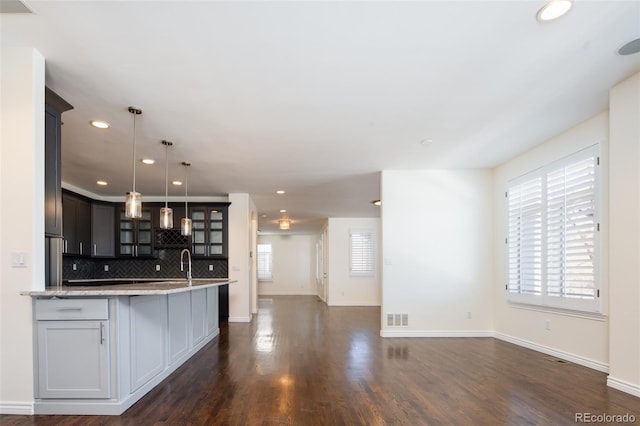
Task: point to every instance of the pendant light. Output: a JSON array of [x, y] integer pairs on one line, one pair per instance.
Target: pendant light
[[284, 224], [133, 204], [185, 224], [166, 213]]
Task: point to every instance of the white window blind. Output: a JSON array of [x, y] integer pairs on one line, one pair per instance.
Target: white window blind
[[361, 252], [265, 262], [552, 234], [525, 237]]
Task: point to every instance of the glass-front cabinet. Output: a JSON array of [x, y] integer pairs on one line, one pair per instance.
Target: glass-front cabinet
[[209, 231], [135, 235]]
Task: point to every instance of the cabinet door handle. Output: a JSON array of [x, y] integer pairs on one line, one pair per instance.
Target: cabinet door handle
[[69, 309], [80, 247], [101, 333], [95, 249], [65, 246]]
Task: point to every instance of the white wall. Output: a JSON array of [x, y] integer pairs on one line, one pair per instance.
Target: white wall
[[294, 265], [437, 241], [581, 339], [624, 243], [342, 288], [242, 213], [21, 219]]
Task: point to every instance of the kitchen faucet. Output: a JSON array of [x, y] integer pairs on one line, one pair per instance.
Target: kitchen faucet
[[182, 264]]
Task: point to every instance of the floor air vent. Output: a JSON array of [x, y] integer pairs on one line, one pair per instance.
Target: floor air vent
[[397, 320]]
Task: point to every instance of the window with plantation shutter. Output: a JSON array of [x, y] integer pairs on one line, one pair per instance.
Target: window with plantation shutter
[[552, 234], [361, 252], [265, 262]]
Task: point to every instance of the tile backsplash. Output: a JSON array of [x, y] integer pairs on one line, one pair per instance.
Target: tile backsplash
[[168, 260]]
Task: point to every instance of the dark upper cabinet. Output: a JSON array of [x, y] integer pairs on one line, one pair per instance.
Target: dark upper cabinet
[[135, 235], [76, 224], [210, 230], [54, 107], [103, 230]]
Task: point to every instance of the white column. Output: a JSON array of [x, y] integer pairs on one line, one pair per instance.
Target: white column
[[624, 236], [240, 240], [21, 219]]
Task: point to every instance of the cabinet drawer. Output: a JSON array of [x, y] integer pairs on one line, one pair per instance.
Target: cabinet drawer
[[72, 309]]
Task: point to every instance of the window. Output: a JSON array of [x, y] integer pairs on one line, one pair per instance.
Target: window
[[552, 240], [265, 262], [361, 252]]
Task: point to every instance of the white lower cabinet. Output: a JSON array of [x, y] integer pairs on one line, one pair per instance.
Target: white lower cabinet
[[101, 355], [212, 311], [73, 349], [179, 317], [147, 330], [198, 315]]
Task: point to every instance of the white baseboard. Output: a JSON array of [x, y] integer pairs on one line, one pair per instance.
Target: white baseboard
[[19, 408], [239, 319], [402, 333], [576, 359], [623, 386]]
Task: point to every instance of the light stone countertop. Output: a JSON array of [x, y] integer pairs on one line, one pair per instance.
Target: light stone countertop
[[137, 289]]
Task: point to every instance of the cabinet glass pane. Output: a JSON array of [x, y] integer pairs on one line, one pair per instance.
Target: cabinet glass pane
[[216, 225], [126, 237], [215, 237], [215, 249], [126, 225], [197, 225], [126, 249], [146, 215], [197, 215], [198, 250], [144, 237], [144, 225], [215, 215], [198, 237], [144, 250]]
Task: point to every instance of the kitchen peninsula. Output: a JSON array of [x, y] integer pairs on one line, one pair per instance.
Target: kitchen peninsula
[[100, 348]]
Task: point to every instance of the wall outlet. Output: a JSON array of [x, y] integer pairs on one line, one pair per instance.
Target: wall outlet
[[74, 267], [157, 268], [547, 325], [211, 267], [106, 268]]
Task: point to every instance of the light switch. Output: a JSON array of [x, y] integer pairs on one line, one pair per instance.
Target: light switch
[[157, 268], [19, 259], [211, 267], [106, 268]]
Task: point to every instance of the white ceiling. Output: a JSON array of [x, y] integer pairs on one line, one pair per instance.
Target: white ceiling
[[316, 97]]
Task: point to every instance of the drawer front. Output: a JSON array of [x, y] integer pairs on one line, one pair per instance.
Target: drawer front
[[72, 309]]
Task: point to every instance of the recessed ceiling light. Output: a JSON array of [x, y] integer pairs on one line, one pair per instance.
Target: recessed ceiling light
[[426, 142], [101, 183], [630, 48], [177, 182], [100, 124], [283, 211], [280, 192], [376, 202], [148, 161], [553, 10]]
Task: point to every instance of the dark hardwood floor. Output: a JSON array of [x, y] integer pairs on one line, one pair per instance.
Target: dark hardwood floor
[[303, 363]]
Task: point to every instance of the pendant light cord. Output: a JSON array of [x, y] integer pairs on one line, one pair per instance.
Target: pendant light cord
[[166, 174], [186, 188], [134, 151]]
